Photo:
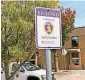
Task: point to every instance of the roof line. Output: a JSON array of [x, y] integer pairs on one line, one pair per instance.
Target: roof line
[[80, 27]]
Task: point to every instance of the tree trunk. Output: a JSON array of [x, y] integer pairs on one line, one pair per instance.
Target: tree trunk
[[6, 70], [64, 63], [36, 59], [56, 62], [6, 57]]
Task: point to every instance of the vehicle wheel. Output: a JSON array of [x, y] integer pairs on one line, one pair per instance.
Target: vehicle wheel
[[32, 78]]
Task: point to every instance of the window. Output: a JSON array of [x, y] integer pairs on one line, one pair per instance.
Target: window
[[15, 66], [30, 67], [22, 69], [75, 58], [75, 41]]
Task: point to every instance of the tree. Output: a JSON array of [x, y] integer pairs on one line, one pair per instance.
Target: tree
[[67, 23], [68, 20], [17, 20]]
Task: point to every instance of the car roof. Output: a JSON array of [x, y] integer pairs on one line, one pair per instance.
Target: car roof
[[18, 62]]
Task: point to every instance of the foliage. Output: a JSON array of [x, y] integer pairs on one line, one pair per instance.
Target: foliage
[[68, 19], [18, 17], [17, 20]]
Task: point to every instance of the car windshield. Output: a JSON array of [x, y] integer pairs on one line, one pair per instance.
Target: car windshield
[[30, 67]]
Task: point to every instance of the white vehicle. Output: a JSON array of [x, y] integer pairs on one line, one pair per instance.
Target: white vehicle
[[28, 71], [2, 74]]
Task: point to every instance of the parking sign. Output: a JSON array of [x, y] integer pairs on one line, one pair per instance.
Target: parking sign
[[48, 28]]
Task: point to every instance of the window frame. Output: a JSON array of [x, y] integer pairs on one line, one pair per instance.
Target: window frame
[[75, 58], [78, 42]]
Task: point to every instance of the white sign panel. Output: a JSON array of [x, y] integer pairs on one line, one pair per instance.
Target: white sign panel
[[48, 28]]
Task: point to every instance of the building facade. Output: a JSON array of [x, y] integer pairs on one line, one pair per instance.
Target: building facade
[[75, 57]]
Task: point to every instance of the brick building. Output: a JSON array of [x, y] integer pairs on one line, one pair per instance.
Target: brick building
[[75, 57]]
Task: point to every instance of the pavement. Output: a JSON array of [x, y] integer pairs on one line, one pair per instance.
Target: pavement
[[70, 75]]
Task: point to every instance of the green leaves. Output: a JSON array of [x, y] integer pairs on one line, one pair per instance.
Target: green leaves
[[18, 18], [16, 52], [17, 21]]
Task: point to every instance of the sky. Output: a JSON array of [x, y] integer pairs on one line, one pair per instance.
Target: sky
[[79, 7]]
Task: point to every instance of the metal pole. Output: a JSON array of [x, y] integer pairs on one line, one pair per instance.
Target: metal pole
[[48, 65]]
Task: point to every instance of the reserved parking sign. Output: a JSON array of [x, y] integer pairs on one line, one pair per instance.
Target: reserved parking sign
[[48, 28]]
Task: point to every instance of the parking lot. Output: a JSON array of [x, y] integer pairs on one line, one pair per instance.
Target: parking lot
[[73, 75]]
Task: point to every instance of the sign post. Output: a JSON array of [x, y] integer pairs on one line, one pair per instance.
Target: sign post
[[48, 33], [48, 65]]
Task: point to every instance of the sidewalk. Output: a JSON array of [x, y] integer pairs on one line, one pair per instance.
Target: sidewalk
[[74, 75]]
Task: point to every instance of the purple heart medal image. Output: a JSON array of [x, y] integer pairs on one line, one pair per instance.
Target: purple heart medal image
[[48, 27]]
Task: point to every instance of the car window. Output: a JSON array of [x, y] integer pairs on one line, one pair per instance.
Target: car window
[[21, 69], [15, 66], [30, 67]]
